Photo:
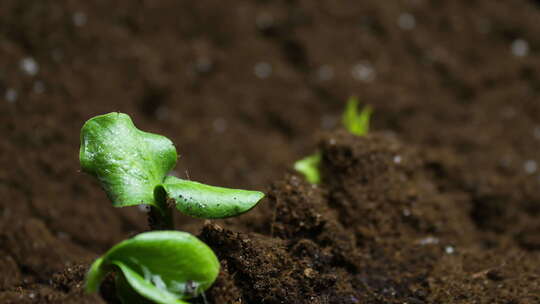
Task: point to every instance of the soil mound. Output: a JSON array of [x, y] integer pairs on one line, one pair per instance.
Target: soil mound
[[379, 229]]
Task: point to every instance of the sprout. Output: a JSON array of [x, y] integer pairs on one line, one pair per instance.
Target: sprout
[[309, 167], [354, 122], [132, 166], [162, 266]]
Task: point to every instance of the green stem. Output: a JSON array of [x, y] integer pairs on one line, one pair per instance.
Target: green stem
[[160, 219]]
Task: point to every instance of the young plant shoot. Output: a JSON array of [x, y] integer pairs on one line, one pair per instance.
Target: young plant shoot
[[355, 122], [165, 267], [132, 166], [309, 167]]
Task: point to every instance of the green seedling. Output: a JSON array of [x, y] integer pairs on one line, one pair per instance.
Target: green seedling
[[355, 122], [161, 266], [132, 166], [309, 167]]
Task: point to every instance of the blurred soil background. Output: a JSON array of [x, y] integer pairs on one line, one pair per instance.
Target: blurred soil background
[[440, 204]]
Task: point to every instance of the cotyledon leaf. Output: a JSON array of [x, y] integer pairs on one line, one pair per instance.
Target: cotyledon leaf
[[128, 162], [162, 266], [126, 294], [134, 289], [204, 201]]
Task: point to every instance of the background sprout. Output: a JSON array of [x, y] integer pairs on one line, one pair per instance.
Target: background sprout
[[132, 167], [354, 122], [162, 266], [309, 167]]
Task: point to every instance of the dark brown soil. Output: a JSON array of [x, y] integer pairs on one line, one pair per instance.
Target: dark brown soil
[[439, 204]]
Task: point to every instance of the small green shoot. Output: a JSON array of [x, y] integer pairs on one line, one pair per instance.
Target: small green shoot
[[354, 122], [165, 267], [132, 167], [309, 167]]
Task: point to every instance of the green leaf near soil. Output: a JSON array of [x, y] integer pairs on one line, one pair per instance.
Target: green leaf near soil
[[309, 167], [162, 266], [128, 162], [204, 201], [355, 122]]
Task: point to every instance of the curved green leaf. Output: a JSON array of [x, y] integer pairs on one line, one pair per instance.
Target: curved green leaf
[[354, 122], [204, 201], [134, 289], [309, 167], [126, 294], [128, 162], [95, 275], [162, 266]]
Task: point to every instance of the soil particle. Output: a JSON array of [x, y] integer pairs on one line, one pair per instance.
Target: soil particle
[[11, 274]]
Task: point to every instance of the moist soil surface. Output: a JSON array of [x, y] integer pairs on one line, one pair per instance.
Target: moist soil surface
[[440, 203]]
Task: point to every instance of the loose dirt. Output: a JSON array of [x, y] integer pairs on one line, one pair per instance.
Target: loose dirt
[[438, 204]]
